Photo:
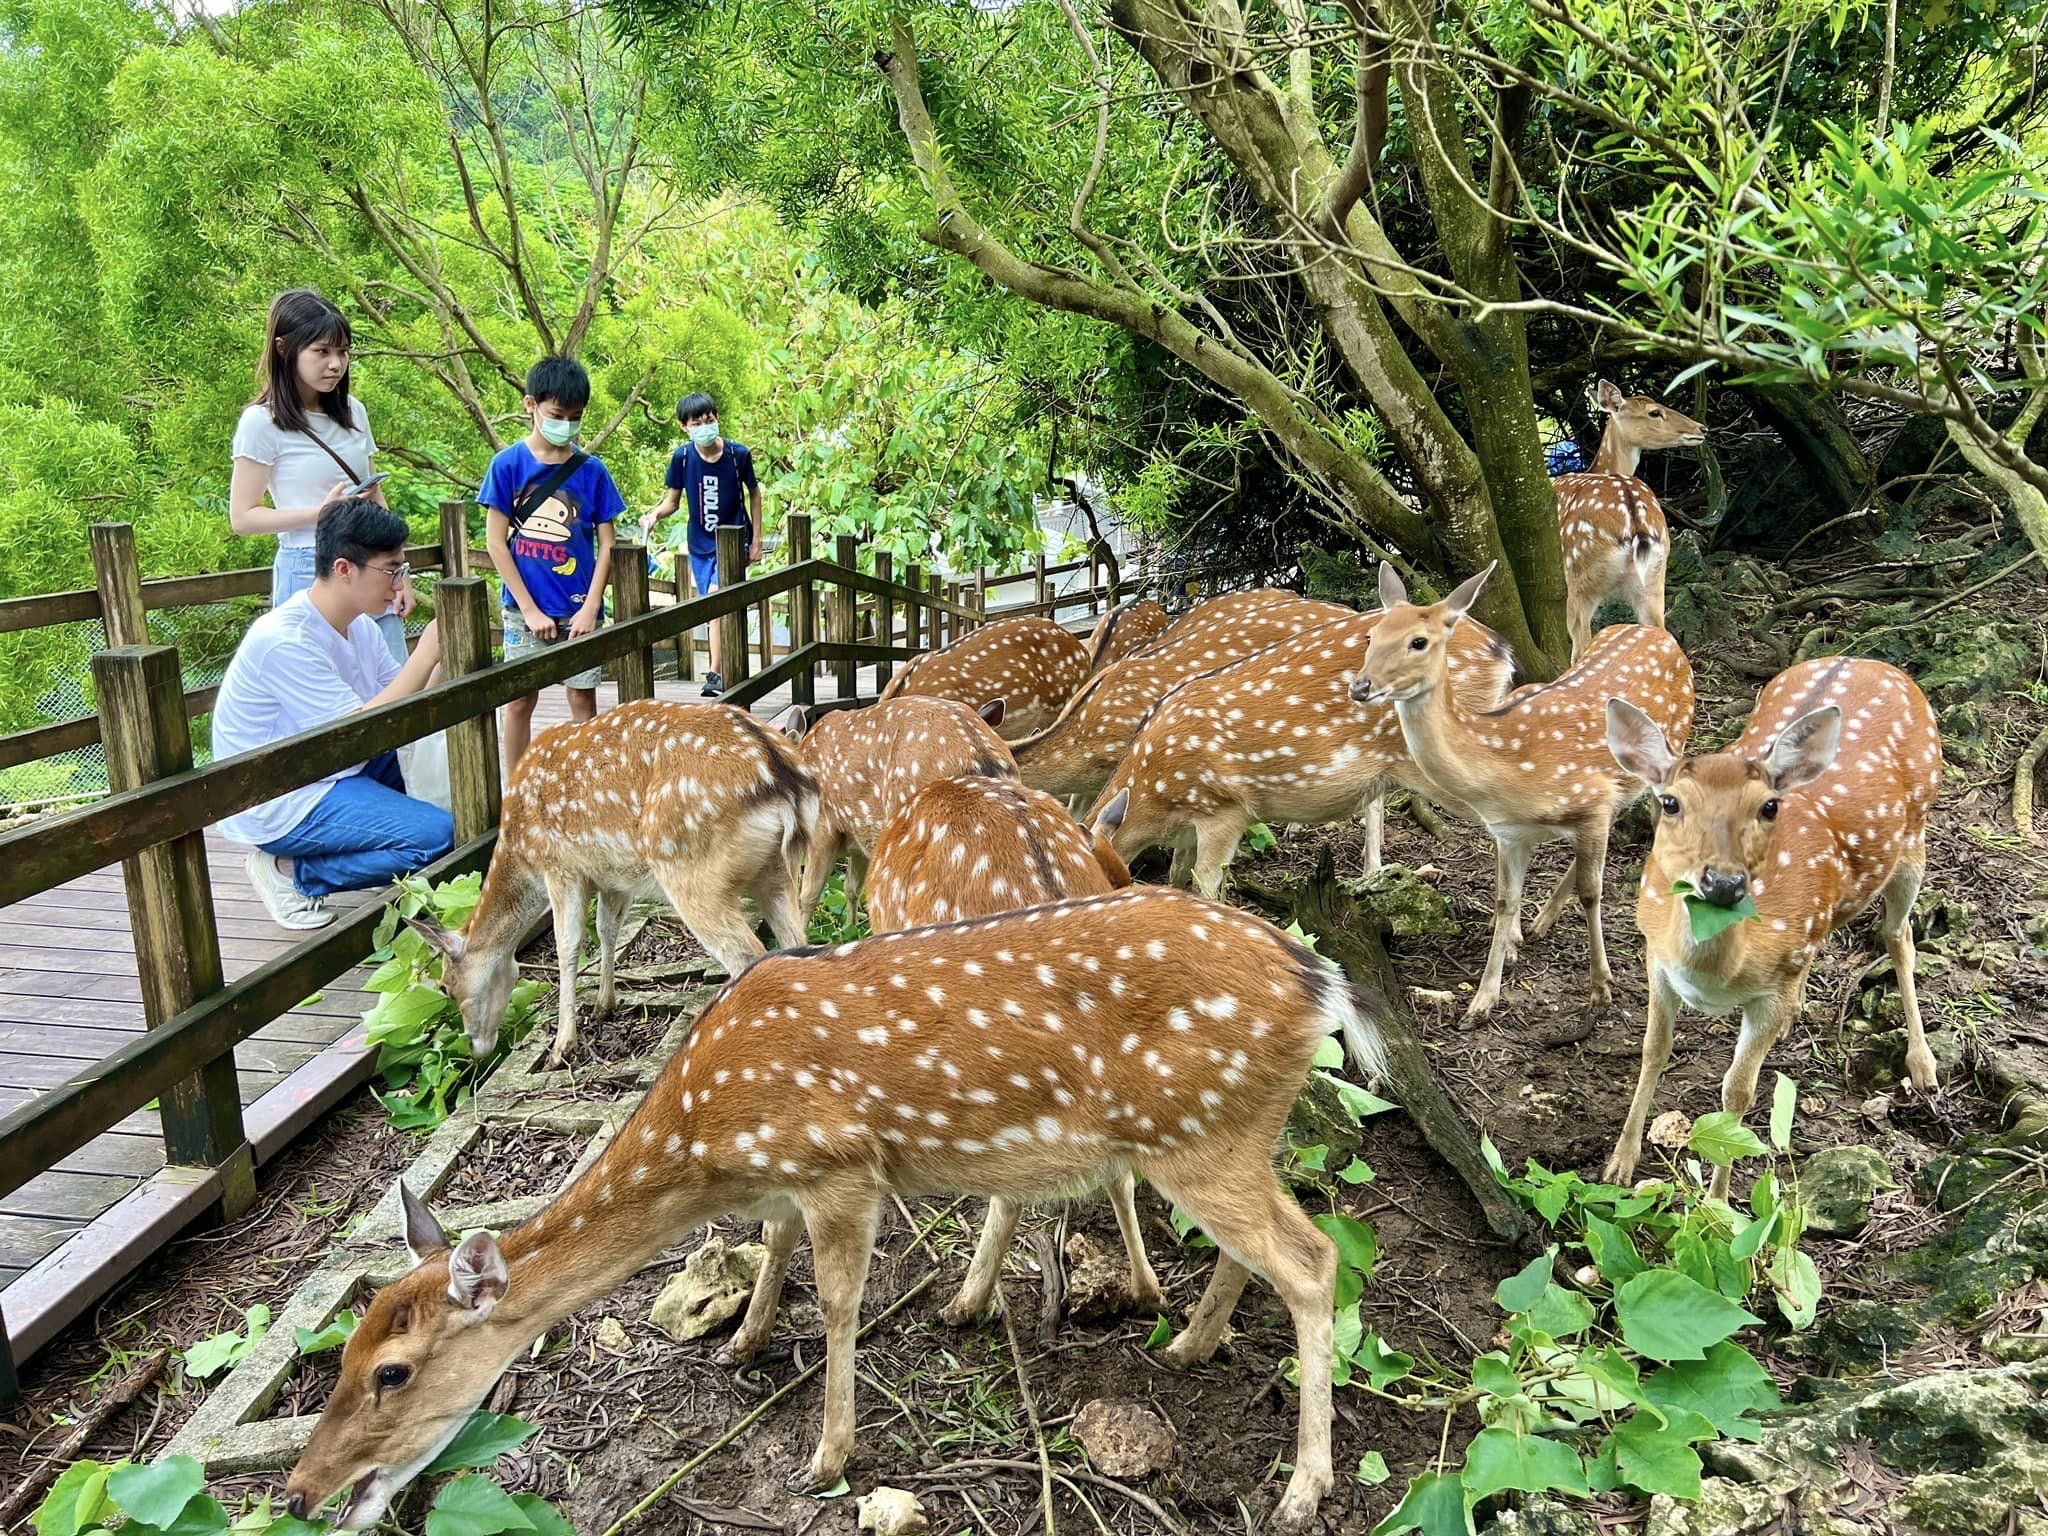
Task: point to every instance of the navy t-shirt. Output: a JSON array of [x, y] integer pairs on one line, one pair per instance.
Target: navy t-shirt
[[556, 549], [713, 493]]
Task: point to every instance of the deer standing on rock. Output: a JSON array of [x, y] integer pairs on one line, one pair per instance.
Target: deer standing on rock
[[974, 847], [1031, 664], [1009, 1056], [1818, 809], [1277, 737], [1534, 770], [700, 802], [1612, 529]]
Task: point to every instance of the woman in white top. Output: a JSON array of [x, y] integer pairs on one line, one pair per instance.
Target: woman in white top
[[303, 443]]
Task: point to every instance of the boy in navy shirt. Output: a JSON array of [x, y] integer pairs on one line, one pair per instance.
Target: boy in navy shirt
[[710, 471], [549, 509]]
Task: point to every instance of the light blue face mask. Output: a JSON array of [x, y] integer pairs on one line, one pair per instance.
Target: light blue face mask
[[704, 434], [557, 431]]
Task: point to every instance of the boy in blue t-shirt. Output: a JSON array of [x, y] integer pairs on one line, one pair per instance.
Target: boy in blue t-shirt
[[710, 472], [549, 509]]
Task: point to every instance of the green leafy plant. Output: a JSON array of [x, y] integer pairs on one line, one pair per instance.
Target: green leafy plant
[[333, 1336], [837, 920], [1258, 837], [209, 1357], [1709, 919]]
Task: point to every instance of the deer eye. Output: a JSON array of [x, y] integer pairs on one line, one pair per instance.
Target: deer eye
[[1419, 643], [1668, 804], [393, 1375], [1769, 809], [1657, 415]]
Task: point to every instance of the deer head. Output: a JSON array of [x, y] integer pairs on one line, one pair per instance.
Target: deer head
[[1716, 814], [418, 1364], [1406, 656], [1641, 423], [480, 984]]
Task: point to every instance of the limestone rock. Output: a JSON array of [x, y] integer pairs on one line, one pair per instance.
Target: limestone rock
[[1837, 1185], [1724, 1509], [712, 1287], [1410, 905], [1124, 1439], [1950, 1504], [892, 1512], [1098, 1279], [1670, 1129], [611, 1335], [1541, 1515]]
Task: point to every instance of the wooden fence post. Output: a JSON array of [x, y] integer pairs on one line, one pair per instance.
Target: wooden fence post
[[935, 584], [119, 576], [635, 669], [732, 630], [463, 611], [803, 631], [686, 642], [885, 618], [913, 610], [1038, 580], [170, 911], [454, 540], [981, 592], [846, 552]]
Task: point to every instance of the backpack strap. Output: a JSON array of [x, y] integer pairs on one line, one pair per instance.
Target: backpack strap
[[535, 492]]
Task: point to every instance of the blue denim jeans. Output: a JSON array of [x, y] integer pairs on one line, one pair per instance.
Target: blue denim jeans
[[365, 832], [291, 572]]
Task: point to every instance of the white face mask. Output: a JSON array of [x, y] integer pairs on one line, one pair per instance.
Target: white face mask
[[557, 431]]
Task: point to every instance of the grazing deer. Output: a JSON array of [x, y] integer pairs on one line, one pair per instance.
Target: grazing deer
[[1819, 808], [1077, 752], [1016, 1056], [1031, 664], [1277, 737], [1123, 631], [701, 802], [1612, 530], [869, 763], [974, 847], [1533, 770]]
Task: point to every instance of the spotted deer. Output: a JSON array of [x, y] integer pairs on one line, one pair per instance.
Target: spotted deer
[[1611, 527], [1535, 769], [974, 847], [1817, 810], [869, 763], [1076, 754], [1031, 664], [1277, 737], [1127, 628], [1012, 1056], [699, 802]]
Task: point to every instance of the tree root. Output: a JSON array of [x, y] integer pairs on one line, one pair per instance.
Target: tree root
[[2023, 783]]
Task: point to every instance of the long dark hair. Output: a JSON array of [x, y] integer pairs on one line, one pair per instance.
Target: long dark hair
[[299, 317]]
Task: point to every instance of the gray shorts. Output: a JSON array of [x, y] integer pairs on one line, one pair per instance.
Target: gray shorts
[[521, 642]]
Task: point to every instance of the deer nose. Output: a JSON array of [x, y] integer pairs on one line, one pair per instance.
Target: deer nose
[[295, 1506], [1724, 887]]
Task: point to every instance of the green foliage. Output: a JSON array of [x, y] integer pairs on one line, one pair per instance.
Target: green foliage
[[209, 1357], [333, 1336], [1708, 919], [837, 921]]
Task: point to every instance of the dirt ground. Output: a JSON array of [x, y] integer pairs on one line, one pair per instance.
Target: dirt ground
[[943, 1411]]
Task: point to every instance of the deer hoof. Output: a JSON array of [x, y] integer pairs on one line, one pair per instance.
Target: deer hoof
[[1921, 1071], [1296, 1511], [1148, 1298], [1180, 1353], [814, 1479], [1620, 1169], [961, 1311]]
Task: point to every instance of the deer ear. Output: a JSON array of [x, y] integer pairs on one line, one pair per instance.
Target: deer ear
[[1610, 398], [448, 941], [423, 1234], [477, 1276], [1460, 602], [1393, 591], [793, 722], [1805, 749], [1638, 743], [1112, 815], [992, 712]]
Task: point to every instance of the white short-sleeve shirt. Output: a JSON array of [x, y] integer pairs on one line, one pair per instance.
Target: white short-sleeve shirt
[[301, 473], [294, 671]]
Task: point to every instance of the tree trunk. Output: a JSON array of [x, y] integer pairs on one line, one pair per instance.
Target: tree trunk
[[1809, 422]]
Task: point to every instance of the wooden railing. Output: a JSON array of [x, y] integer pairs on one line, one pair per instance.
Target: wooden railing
[[153, 820]]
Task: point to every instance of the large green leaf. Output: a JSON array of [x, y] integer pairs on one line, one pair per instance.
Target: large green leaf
[[1561, 1313], [1797, 1283], [155, 1492], [1669, 1316], [1784, 1099], [1500, 1459], [481, 1441], [1383, 1366], [1522, 1290], [76, 1502], [1708, 920], [1656, 1460], [545, 1518], [1613, 1250], [1435, 1505], [473, 1505], [1721, 1138], [1356, 1245]]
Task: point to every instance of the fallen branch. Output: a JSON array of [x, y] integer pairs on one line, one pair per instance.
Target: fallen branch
[[996, 1464], [2023, 783], [96, 1419], [1963, 596], [1030, 1411]]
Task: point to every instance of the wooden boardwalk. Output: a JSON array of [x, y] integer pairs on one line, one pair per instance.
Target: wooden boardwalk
[[69, 995]]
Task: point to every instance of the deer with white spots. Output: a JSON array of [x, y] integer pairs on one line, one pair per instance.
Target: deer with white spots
[[700, 802], [1076, 754], [1031, 664], [1611, 527], [1277, 737], [1534, 770], [869, 763], [974, 847], [1125, 630], [1015, 1056], [1817, 810]]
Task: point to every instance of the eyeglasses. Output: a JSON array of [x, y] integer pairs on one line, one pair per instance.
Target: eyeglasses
[[397, 572]]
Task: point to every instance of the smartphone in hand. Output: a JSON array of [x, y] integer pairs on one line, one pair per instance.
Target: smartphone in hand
[[364, 488]]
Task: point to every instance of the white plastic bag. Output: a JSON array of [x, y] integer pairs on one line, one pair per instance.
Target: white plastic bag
[[424, 763]]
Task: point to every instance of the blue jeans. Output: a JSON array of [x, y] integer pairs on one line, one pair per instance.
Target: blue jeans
[[705, 569], [365, 832], [291, 572]]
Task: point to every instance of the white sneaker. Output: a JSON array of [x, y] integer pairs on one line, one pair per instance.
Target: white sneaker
[[287, 907]]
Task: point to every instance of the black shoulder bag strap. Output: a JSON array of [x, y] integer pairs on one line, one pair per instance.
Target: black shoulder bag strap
[[348, 470], [535, 492]]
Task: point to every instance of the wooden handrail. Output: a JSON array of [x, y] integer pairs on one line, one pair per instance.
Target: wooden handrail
[[39, 742]]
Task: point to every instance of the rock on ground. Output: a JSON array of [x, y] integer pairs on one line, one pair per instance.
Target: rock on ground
[[1124, 1439], [892, 1512], [1837, 1185], [712, 1287]]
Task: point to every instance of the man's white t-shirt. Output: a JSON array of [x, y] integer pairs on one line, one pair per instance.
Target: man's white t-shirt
[[301, 474], [294, 671]]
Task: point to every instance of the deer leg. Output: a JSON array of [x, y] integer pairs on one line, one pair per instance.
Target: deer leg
[[1628, 1147], [1896, 927], [1146, 1293], [1183, 859], [1553, 909], [1578, 615], [1216, 841], [977, 1296], [842, 1226], [856, 875], [775, 895], [611, 911], [1588, 867], [1511, 870], [713, 915], [1374, 820], [570, 898], [1650, 595], [779, 1234], [1203, 1332], [827, 844], [1764, 1023]]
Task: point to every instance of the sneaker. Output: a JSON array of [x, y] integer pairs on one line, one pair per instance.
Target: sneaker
[[287, 907], [714, 685]]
